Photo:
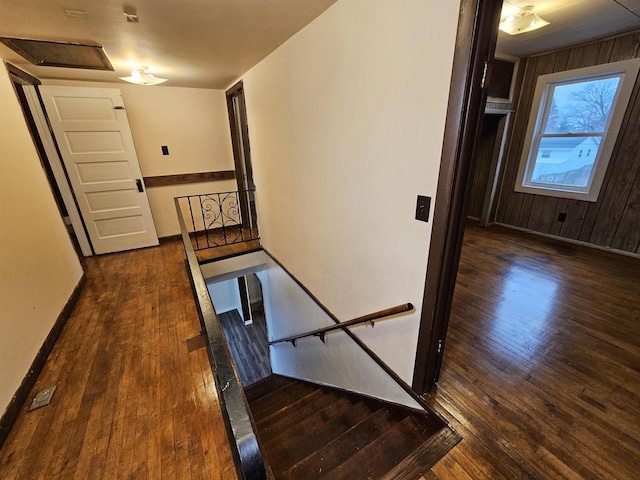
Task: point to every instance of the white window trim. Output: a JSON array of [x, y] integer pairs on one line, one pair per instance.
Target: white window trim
[[630, 70]]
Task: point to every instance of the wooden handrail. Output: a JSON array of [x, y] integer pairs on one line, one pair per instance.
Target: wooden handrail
[[405, 307], [248, 457]]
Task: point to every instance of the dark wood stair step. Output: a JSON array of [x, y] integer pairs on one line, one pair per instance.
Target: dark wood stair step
[[294, 413], [300, 441], [423, 458], [265, 386], [293, 408], [271, 403], [342, 448], [384, 453]]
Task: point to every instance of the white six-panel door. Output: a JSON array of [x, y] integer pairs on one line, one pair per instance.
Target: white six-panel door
[[92, 131]]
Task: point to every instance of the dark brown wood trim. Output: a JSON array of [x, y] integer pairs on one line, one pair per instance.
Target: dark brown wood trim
[[241, 150], [235, 88], [24, 390], [475, 45], [184, 178], [244, 299], [21, 76], [388, 370]]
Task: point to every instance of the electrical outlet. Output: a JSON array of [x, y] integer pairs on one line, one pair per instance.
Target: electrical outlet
[[562, 217]]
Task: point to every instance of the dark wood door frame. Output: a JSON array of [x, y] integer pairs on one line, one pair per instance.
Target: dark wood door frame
[[475, 46], [241, 151]]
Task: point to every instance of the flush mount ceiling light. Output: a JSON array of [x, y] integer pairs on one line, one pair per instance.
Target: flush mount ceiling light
[[522, 21], [141, 76]]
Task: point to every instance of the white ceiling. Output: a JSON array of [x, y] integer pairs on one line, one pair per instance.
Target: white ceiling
[[571, 22], [194, 43], [210, 43]]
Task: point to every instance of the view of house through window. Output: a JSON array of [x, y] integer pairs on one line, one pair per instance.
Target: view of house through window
[[573, 129]]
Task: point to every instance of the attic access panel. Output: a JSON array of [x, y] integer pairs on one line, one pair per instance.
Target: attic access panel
[[59, 54]]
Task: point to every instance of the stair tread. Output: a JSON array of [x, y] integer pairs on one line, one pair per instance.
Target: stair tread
[[300, 441], [384, 453], [342, 448], [422, 459], [265, 406], [265, 386], [294, 413]]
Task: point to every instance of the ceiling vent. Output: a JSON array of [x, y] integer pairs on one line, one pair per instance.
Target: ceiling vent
[[59, 54]]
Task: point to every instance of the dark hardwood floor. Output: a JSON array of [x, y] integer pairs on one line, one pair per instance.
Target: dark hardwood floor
[[541, 372], [133, 401], [248, 344]]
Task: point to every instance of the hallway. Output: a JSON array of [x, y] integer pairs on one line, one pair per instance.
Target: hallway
[[132, 401], [541, 372]]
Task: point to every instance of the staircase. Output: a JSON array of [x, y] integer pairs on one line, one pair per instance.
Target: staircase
[[312, 432]]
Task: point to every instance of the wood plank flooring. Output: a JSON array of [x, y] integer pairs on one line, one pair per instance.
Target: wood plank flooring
[[132, 401], [248, 344], [541, 372]]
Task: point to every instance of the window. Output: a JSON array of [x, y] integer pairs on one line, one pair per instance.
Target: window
[[574, 112]]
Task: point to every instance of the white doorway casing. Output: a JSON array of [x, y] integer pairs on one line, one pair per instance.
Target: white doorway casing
[[55, 163]]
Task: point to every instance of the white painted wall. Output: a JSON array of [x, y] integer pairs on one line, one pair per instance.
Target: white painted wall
[[39, 268], [346, 122], [225, 296], [192, 122], [289, 310], [338, 361]]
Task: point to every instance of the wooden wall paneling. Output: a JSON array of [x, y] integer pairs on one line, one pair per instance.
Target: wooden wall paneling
[[525, 210], [576, 211], [624, 167], [627, 235], [546, 64], [606, 48], [562, 58], [510, 202], [561, 207], [541, 217], [624, 48], [495, 170], [584, 56], [482, 165]]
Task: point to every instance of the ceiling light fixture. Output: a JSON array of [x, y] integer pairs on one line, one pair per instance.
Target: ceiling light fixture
[[522, 21], [141, 76]]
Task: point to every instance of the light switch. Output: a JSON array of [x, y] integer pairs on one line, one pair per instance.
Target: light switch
[[423, 206]]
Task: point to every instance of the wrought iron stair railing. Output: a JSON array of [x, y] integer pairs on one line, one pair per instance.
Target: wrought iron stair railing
[[218, 219]]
